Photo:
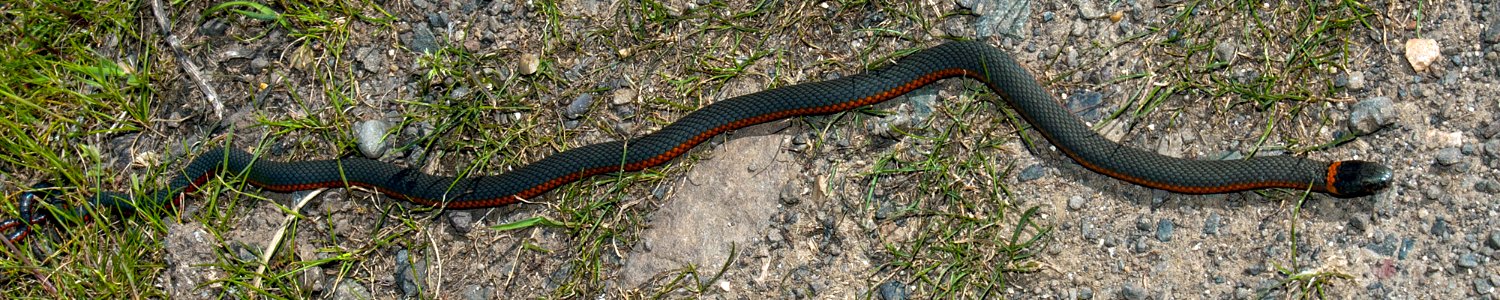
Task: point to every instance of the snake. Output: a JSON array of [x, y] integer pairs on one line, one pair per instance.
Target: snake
[[976, 60]]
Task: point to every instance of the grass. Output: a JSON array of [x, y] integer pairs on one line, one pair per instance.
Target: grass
[[81, 75]]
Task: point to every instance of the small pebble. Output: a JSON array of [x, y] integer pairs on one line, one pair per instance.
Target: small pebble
[[1487, 186], [1143, 224], [1076, 202], [1359, 222], [1032, 172], [1211, 224], [1449, 156], [422, 40], [1421, 53], [1164, 230], [1494, 240], [1224, 51], [1492, 34], [893, 290], [1406, 245], [1254, 270], [411, 273], [462, 221], [1483, 287], [1371, 115], [371, 135], [623, 96], [1439, 227], [1132, 292], [579, 106], [1141, 246], [1468, 261], [478, 292], [1357, 81], [530, 63], [1085, 293], [1087, 105]]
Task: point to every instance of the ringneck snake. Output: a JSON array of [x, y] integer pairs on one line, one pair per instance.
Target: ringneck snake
[[974, 60]]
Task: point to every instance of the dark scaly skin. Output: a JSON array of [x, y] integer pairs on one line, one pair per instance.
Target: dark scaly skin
[[975, 60]]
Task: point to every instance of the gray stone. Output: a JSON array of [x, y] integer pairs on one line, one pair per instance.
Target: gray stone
[[478, 292], [1468, 261], [1449, 156], [1164, 230], [1487, 186], [1483, 287], [1032, 172], [462, 221], [422, 40], [1371, 115], [350, 290], [1001, 17], [1140, 246], [371, 60], [579, 106], [1494, 240], [1211, 224], [1076, 202], [371, 135], [1087, 104], [1440, 227], [411, 273], [1357, 81], [892, 290], [1132, 292], [1492, 34]]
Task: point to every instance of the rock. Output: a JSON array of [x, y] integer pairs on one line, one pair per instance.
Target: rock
[[371, 135], [1032, 173], [422, 40], [462, 221], [529, 63], [1357, 81], [1088, 10], [1421, 53], [1087, 105], [411, 273], [1164, 230], [1468, 261], [623, 96], [1449, 156], [1132, 292], [1076, 202], [370, 59], [1494, 240], [350, 290], [1487, 186], [478, 292], [892, 290], [1211, 224], [1371, 115], [1492, 35], [1440, 227], [579, 106]]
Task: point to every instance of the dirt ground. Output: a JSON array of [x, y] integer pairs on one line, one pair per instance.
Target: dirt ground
[[916, 198]]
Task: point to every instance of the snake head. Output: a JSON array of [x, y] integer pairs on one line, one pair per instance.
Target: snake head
[[1354, 178]]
